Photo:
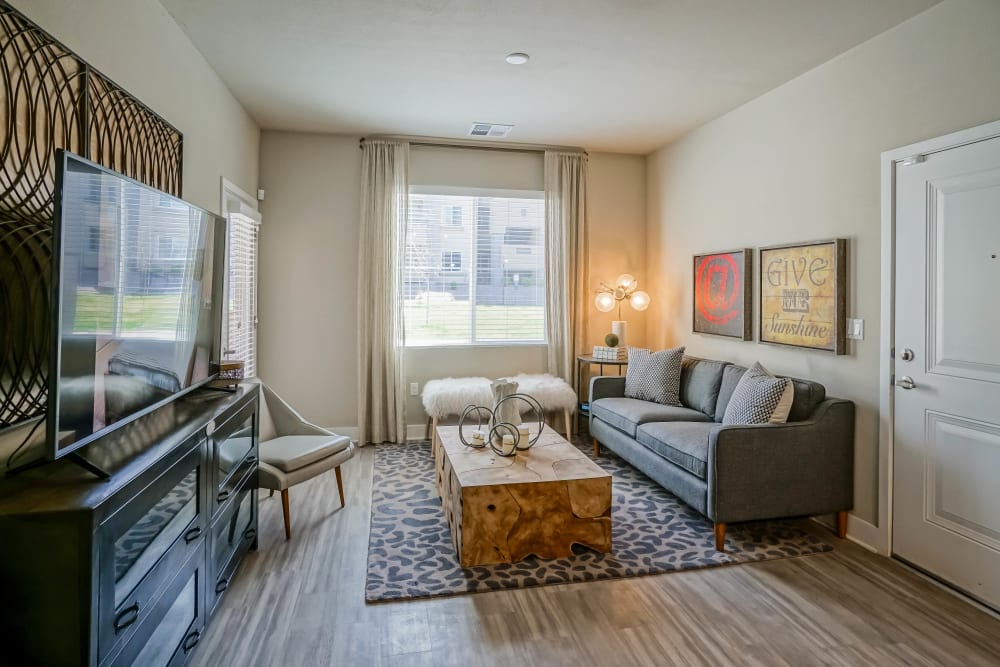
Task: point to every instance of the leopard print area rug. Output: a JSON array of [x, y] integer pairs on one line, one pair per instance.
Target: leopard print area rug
[[411, 554]]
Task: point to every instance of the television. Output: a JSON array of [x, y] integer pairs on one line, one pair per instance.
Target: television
[[137, 298]]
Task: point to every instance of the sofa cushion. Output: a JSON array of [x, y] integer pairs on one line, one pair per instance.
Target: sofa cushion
[[626, 414], [654, 376], [731, 376], [684, 444], [700, 383], [808, 394], [756, 397]]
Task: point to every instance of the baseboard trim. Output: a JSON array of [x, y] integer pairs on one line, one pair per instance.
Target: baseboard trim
[[867, 535], [859, 531], [414, 432]]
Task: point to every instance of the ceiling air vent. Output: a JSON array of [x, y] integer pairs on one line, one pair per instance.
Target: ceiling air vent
[[491, 130]]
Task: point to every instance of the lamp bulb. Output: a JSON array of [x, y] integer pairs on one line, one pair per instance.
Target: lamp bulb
[[605, 302], [639, 300], [626, 281]]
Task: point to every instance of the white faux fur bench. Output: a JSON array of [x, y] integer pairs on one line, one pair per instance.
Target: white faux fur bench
[[450, 396]]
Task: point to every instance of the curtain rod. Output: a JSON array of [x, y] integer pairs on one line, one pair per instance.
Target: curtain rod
[[475, 144]]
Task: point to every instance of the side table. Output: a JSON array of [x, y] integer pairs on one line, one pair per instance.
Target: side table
[[587, 360]]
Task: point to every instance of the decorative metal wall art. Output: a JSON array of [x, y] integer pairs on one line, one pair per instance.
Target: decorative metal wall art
[[53, 99]]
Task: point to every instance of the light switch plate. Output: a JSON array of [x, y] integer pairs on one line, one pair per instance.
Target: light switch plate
[[414, 389], [855, 329]]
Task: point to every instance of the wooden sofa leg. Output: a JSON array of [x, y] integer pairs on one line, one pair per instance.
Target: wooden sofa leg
[[284, 509], [842, 525], [340, 486], [597, 448], [720, 537]]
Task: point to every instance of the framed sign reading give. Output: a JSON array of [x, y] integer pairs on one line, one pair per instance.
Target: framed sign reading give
[[803, 295], [723, 294]]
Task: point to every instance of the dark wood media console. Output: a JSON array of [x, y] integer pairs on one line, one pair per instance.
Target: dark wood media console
[[129, 571]]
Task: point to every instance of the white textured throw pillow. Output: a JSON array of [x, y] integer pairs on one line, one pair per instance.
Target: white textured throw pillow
[[756, 398], [654, 376]]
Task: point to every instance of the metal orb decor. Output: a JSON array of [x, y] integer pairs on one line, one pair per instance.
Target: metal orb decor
[[494, 437], [535, 406], [478, 410]]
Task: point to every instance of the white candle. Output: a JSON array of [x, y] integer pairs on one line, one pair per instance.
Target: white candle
[[478, 437], [508, 445], [523, 437]]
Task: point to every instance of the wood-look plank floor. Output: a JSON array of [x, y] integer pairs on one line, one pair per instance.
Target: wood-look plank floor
[[302, 603]]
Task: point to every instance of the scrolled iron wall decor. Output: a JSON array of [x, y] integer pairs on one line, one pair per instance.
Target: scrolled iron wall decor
[[53, 99]]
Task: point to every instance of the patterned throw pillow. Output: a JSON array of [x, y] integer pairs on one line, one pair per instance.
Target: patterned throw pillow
[[756, 397], [654, 376]]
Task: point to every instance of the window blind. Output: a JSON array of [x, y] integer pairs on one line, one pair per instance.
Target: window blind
[[474, 267], [241, 314]]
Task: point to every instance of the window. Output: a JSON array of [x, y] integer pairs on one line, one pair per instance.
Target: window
[[498, 294], [241, 313], [451, 262]]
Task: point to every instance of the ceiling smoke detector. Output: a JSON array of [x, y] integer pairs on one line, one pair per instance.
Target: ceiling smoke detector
[[517, 58], [490, 130]]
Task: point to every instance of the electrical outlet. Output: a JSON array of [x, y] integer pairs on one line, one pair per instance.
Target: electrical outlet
[[414, 389], [855, 329]]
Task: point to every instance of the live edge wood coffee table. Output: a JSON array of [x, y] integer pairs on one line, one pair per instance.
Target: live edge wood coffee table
[[541, 502]]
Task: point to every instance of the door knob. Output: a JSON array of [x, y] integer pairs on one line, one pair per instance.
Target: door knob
[[906, 382], [906, 355]]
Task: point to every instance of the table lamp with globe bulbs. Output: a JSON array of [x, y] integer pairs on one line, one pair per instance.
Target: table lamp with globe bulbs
[[609, 296]]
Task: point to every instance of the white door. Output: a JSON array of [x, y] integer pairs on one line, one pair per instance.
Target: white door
[[946, 466]]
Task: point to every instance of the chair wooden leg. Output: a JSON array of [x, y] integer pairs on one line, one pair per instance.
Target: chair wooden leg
[[842, 525], [597, 448], [720, 537], [427, 434], [284, 508], [340, 486], [569, 425], [271, 495]]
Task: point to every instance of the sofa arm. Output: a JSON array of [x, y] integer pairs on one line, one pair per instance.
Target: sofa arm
[[783, 470], [607, 386]]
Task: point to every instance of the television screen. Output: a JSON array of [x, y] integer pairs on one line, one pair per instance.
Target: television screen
[[138, 281]]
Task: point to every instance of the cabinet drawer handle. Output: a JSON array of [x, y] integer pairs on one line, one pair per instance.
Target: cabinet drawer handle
[[192, 534], [249, 533], [223, 495], [191, 641], [222, 585], [126, 617]]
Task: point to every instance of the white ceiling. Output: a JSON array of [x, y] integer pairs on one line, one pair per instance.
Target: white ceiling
[[626, 76]]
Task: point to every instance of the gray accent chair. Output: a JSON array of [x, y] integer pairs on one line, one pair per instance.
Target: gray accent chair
[[292, 450], [729, 474]]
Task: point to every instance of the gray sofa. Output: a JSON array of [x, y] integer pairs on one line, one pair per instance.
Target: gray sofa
[[733, 473]]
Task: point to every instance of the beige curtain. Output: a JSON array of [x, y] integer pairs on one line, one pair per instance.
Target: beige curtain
[[384, 192], [566, 259]]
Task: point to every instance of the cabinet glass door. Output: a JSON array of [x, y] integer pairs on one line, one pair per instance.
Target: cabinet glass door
[[141, 546], [234, 447]]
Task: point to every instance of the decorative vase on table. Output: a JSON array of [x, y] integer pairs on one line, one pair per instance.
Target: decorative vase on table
[[508, 412]]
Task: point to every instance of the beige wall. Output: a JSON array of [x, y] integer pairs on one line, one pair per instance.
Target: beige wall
[[308, 285], [802, 163], [308, 270], [139, 45], [616, 212]]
